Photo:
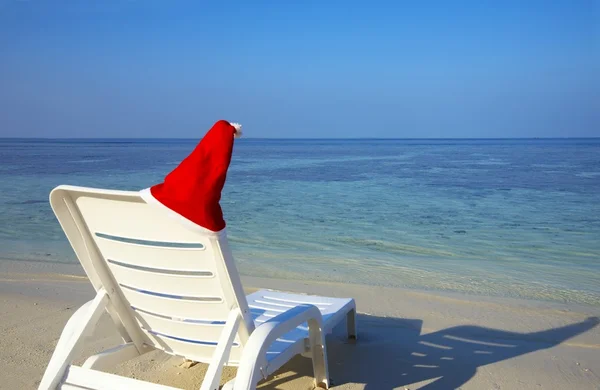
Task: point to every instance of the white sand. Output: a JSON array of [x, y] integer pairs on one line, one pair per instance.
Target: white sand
[[408, 339]]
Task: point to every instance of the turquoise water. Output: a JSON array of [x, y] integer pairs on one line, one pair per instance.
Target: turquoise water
[[516, 218]]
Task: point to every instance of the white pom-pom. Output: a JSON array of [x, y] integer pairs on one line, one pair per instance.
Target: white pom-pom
[[238, 130]]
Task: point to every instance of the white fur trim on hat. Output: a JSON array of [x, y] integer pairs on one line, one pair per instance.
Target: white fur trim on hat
[[238, 129]]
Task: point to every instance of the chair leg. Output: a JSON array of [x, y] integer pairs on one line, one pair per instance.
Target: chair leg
[[80, 323], [221, 355], [319, 354], [351, 324]]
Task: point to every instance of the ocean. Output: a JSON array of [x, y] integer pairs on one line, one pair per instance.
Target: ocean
[[511, 218]]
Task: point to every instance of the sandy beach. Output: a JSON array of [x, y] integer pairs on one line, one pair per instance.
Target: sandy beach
[[407, 339]]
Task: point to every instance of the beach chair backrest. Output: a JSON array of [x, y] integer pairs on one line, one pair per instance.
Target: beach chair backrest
[[171, 287]]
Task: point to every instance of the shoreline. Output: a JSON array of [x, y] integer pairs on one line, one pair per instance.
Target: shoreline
[[430, 340], [74, 270]]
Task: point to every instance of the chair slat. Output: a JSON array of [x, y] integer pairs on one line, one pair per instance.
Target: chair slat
[[177, 308], [195, 285], [157, 257], [193, 351], [186, 329]]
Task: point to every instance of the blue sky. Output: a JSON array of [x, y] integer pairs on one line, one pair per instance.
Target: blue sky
[[300, 68]]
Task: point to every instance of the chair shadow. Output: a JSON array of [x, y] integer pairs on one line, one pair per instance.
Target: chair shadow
[[449, 357]]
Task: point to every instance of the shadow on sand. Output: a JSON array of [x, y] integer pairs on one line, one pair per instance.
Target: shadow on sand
[[450, 356]]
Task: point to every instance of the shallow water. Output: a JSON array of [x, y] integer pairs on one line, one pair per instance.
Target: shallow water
[[517, 218]]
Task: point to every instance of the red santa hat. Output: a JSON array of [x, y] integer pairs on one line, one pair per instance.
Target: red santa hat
[[193, 189]]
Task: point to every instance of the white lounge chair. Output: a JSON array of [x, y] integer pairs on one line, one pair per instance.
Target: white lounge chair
[[173, 286]]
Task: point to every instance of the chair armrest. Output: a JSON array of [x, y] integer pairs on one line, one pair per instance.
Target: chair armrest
[[253, 364]]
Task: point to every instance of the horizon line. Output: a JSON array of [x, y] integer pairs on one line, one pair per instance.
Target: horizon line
[[295, 139]]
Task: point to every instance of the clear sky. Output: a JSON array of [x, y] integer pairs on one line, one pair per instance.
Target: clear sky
[[422, 68]]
